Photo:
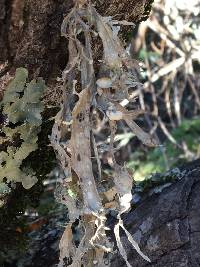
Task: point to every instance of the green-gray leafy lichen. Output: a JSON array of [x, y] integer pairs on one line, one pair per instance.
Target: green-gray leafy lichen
[[22, 109], [157, 182]]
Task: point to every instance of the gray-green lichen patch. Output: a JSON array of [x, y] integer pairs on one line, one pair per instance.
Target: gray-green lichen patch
[[153, 243], [146, 225], [22, 107], [156, 183]]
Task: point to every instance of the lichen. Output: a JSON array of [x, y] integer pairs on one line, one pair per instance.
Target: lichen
[[21, 107], [74, 141]]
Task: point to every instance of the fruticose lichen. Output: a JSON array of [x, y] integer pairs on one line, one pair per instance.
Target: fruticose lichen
[[98, 86]]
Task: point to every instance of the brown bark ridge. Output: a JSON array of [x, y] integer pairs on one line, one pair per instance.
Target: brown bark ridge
[[167, 225], [30, 31]]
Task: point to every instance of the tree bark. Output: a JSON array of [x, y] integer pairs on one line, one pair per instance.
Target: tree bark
[[167, 225], [30, 31]]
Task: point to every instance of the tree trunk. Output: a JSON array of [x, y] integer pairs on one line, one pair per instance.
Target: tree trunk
[[30, 31], [167, 225]]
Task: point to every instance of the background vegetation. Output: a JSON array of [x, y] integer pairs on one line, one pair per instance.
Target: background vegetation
[[167, 48]]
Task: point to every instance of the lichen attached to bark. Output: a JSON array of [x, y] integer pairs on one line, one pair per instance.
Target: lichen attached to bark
[[21, 110], [73, 137]]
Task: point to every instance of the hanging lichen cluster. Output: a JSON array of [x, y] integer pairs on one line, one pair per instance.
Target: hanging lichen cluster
[[21, 111], [87, 92]]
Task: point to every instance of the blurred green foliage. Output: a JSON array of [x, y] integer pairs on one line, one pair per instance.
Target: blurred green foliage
[[150, 55], [146, 164]]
